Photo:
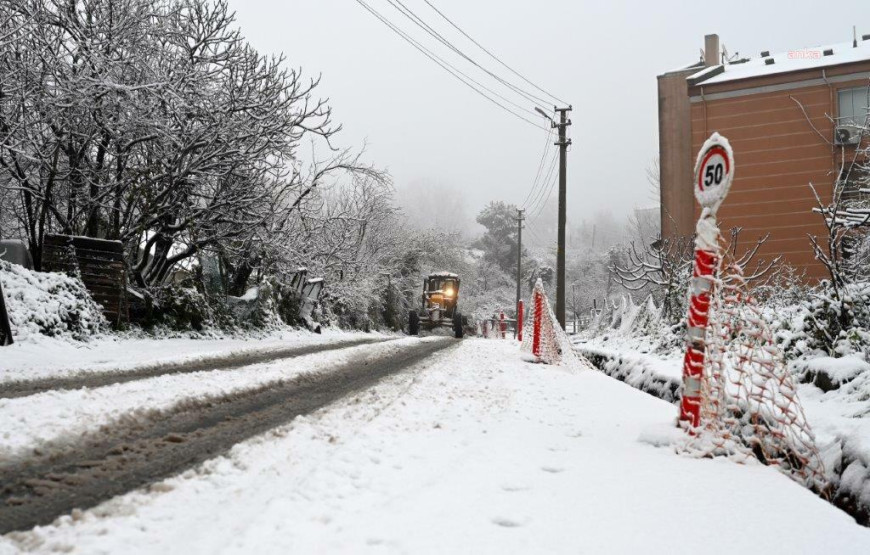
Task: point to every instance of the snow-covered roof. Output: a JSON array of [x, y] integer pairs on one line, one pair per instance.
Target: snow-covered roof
[[792, 60], [695, 65], [443, 274]]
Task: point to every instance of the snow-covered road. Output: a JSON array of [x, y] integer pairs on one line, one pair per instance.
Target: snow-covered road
[[476, 451]]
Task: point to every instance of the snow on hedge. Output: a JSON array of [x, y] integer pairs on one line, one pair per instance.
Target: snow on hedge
[[50, 304]]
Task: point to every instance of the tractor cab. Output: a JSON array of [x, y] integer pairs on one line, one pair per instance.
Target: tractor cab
[[440, 292], [439, 305]]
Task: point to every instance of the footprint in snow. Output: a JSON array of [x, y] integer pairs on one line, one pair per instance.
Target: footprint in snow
[[506, 522], [514, 487], [552, 469]]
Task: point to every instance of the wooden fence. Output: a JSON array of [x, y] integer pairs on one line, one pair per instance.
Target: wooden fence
[[100, 265]]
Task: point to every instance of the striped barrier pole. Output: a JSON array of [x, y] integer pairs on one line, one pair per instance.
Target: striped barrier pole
[[501, 324], [698, 318], [714, 171]]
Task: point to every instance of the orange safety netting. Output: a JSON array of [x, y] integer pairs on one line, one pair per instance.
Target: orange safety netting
[[749, 403]]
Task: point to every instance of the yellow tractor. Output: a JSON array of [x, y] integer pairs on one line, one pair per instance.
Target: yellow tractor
[[439, 308]]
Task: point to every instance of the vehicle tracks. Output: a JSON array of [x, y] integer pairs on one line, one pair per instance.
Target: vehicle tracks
[[133, 454], [230, 361]]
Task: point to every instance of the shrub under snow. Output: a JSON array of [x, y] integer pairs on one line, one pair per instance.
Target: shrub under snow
[[50, 304]]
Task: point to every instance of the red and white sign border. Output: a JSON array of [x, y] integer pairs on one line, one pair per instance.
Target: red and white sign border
[[711, 197]]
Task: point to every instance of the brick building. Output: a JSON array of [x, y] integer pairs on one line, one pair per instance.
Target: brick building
[[789, 116]]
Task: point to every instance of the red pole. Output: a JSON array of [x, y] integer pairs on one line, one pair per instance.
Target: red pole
[[502, 326], [536, 328], [520, 321]]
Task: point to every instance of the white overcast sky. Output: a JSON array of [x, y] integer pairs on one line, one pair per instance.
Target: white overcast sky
[[602, 57]]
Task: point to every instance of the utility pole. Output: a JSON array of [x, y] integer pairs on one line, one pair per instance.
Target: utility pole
[[563, 144], [520, 220], [574, 305]]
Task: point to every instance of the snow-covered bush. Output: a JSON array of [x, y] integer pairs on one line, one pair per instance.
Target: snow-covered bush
[[286, 302], [178, 308], [258, 307], [837, 324], [51, 304]]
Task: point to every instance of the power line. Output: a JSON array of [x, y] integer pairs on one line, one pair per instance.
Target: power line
[[417, 20], [543, 204], [536, 237], [546, 185], [536, 182], [447, 66], [493, 56]]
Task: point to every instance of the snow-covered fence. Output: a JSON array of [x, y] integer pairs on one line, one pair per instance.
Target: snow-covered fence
[[309, 290], [100, 265]]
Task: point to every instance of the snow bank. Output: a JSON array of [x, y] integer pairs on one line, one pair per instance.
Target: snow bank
[[828, 373], [641, 372], [48, 304], [839, 412]]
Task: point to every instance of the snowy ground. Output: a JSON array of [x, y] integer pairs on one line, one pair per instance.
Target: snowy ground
[[44, 357], [476, 451]]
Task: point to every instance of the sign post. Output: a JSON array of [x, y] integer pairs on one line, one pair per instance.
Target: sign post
[[520, 321], [714, 171], [5, 328]]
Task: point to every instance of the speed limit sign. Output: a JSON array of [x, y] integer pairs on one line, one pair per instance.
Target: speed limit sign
[[714, 171]]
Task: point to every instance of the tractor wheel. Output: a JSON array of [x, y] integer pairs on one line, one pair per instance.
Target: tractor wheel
[[413, 323], [458, 329]]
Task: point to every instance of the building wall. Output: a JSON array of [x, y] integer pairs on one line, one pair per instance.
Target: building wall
[[675, 161], [777, 155], [781, 132]]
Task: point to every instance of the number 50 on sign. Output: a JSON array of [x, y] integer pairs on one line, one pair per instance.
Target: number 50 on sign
[[714, 171]]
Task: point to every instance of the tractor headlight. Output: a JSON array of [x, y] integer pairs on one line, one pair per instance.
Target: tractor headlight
[[448, 292]]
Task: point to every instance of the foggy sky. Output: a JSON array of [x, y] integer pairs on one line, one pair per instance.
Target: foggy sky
[[602, 57]]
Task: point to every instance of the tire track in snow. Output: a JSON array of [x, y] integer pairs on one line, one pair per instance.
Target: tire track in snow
[[230, 361], [132, 455]]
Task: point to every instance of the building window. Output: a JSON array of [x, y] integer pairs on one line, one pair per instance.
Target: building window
[[853, 105]]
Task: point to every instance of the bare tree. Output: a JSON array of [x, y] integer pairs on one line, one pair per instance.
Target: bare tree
[[663, 268], [150, 122]]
